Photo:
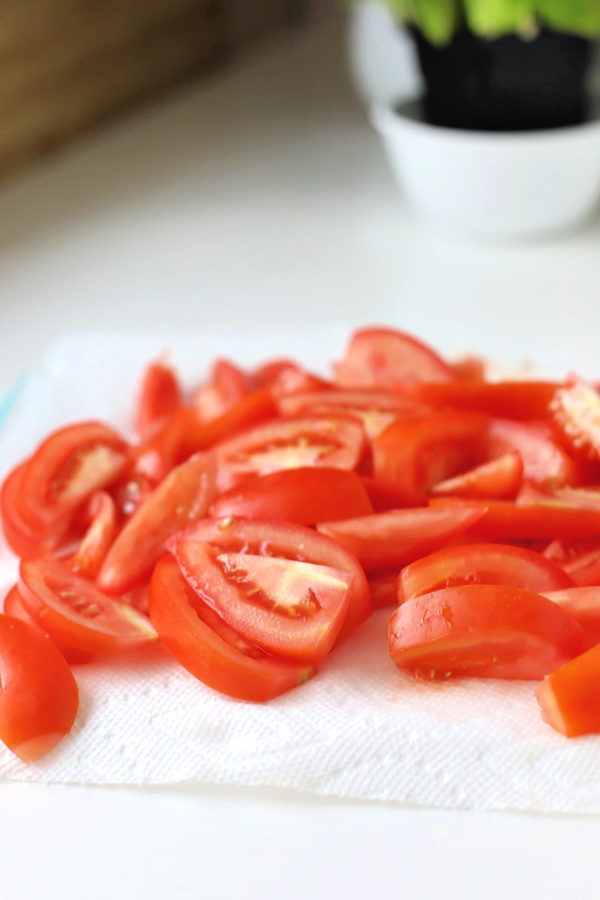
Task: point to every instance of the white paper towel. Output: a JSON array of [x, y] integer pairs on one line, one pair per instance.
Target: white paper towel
[[360, 728]]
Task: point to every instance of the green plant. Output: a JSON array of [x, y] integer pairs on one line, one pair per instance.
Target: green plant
[[439, 20]]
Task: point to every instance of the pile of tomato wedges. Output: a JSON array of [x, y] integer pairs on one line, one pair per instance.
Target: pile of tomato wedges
[[258, 519]]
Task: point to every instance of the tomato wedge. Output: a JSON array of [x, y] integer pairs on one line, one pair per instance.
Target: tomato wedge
[[568, 698], [289, 542], [416, 452], [73, 611], [99, 537], [583, 603], [544, 461], [159, 397], [209, 649], [488, 631], [384, 357], [499, 479], [503, 399], [291, 609], [182, 498], [21, 537], [226, 387], [39, 698], [13, 606], [305, 495], [398, 537], [481, 564], [575, 408]]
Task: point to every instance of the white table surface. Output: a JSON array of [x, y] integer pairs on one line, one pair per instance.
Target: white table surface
[[262, 198]]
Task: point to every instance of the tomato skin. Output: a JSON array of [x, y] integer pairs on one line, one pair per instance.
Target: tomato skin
[[204, 653], [568, 698], [416, 452], [13, 606], [159, 396], [488, 631], [398, 537], [384, 357], [288, 541], [481, 564], [521, 400], [305, 495], [39, 698], [181, 499], [499, 479], [545, 463], [22, 538]]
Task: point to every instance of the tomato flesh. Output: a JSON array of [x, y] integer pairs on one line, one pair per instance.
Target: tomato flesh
[[576, 412]]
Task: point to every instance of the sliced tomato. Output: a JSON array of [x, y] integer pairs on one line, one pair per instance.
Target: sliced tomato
[[99, 537], [13, 606], [384, 357], [583, 603], [383, 495], [227, 385], [520, 400], [159, 396], [568, 698], [209, 649], [398, 537], [73, 611], [39, 698], [544, 462], [488, 631], [481, 564], [181, 499], [21, 537], [305, 495], [291, 609], [290, 444], [383, 585], [469, 368], [416, 452], [286, 541], [575, 408], [499, 479]]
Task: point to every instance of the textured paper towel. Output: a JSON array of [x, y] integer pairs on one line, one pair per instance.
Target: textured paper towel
[[359, 729]]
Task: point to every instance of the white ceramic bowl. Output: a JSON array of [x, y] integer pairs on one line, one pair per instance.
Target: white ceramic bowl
[[490, 183]]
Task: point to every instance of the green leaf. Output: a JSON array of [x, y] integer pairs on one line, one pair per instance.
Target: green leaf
[[489, 18], [577, 16], [436, 19]]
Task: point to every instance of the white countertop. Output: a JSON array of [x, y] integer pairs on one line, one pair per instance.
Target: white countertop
[[261, 197]]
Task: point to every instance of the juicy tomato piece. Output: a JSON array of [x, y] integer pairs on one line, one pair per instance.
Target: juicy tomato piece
[[383, 585], [181, 499], [568, 698], [384, 357], [13, 606], [575, 408], [39, 698], [66, 469], [305, 495], [73, 611], [290, 444], [21, 537], [488, 631], [499, 479], [286, 541], [398, 537], [99, 537], [159, 396], [545, 463], [469, 368], [227, 385], [291, 609], [583, 603], [215, 655], [481, 564], [416, 452], [520, 400]]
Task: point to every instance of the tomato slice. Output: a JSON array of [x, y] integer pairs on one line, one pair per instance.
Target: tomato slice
[[289, 444], [227, 385], [499, 479], [568, 698], [13, 606], [544, 461], [181, 499], [481, 564], [469, 368], [21, 537], [39, 698], [228, 666], [99, 537], [286, 541], [305, 495], [416, 452], [383, 585], [583, 603], [488, 631], [384, 357], [521, 400], [398, 537], [575, 408], [291, 609], [159, 397], [73, 611]]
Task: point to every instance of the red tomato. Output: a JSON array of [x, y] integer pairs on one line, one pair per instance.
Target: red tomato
[[13, 606], [182, 498], [489, 631], [290, 444], [416, 452], [73, 611], [226, 387], [569, 697], [383, 585], [503, 399], [305, 495], [286, 541], [38, 694], [21, 537], [208, 648], [384, 357], [469, 368], [291, 609], [544, 461], [499, 479], [575, 408], [398, 537], [99, 537], [383, 495], [583, 603], [481, 564], [159, 397]]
